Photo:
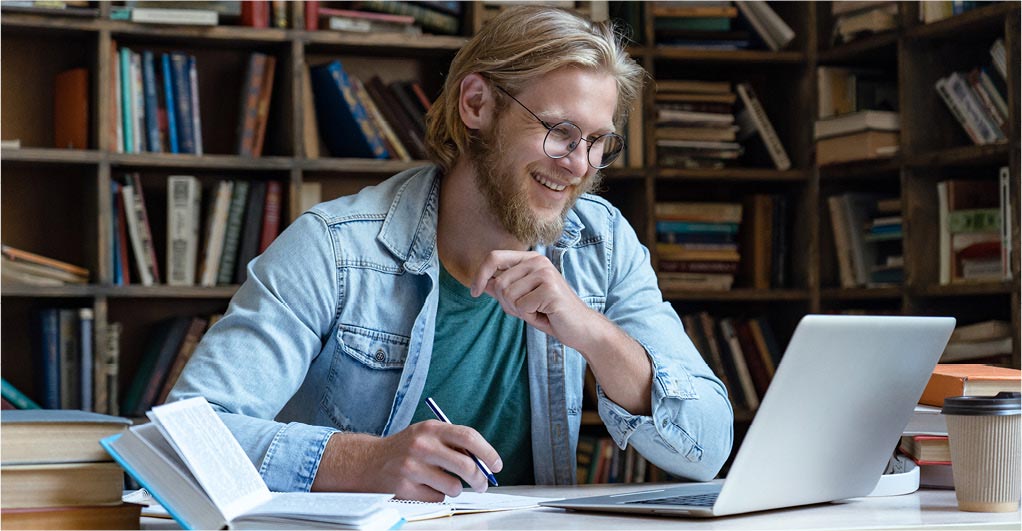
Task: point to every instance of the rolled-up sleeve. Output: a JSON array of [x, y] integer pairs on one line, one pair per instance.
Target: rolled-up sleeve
[[253, 360], [691, 428]]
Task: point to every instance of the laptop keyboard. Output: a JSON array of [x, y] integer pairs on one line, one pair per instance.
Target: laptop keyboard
[[694, 500]]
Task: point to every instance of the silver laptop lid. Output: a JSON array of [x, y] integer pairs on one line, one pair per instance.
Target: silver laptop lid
[[837, 404]]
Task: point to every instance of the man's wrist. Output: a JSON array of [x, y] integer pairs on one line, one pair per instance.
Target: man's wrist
[[342, 466]]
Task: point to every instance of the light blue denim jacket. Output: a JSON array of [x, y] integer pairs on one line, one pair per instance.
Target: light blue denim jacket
[[333, 330]]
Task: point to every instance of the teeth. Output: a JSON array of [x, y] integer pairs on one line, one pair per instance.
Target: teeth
[[548, 184]]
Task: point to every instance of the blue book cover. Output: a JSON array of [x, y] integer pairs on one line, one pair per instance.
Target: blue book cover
[[342, 120], [182, 103], [15, 396], [168, 101], [47, 357], [152, 106], [115, 247], [87, 369], [127, 96], [696, 226]]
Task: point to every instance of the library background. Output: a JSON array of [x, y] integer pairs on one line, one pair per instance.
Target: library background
[[789, 158]]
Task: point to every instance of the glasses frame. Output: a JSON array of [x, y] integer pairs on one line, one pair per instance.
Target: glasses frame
[[550, 129]]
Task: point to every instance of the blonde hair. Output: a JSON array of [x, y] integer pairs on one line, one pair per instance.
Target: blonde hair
[[518, 46]]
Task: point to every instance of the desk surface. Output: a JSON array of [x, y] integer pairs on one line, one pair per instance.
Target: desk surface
[[920, 510], [926, 509]]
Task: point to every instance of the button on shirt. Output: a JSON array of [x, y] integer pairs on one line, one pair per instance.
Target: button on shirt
[[334, 331]]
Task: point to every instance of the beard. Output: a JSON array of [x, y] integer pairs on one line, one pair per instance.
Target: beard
[[506, 190]]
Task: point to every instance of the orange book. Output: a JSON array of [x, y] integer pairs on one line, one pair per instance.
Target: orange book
[[71, 109], [950, 379]]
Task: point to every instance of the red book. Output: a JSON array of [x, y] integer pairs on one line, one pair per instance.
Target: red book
[[71, 109], [271, 214], [255, 13], [312, 15]]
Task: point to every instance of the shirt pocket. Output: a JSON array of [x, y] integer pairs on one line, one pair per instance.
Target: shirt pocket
[[363, 380]]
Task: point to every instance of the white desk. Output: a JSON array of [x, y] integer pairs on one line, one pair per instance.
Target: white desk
[[926, 509], [922, 510]]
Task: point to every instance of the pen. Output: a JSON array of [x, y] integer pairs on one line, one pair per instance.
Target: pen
[[479, 463]]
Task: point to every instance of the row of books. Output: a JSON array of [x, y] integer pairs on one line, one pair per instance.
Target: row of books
[[697, 244], [18, 266], [857, 19], [171, 343], [55, 475], [599, 460], [858, 116], [70, 371], [935, 10], [242, 219], [156, 102], [719, 25], [371, 119], [978, 101], [868, 236], [987, 341], [743, 353], [712, 124], [974, 231]]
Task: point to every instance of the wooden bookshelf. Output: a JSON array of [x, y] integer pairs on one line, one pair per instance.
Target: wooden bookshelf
[[40, 180]]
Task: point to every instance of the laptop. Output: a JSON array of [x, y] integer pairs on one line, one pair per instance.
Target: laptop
[[836, 407]]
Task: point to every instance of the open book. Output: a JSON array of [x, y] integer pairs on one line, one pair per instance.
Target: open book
[[192, 464]]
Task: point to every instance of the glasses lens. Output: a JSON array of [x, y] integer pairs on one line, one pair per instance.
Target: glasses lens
[[562, 139], [605, 150]]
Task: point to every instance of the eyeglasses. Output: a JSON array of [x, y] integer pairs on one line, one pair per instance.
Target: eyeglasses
[[563, 137]]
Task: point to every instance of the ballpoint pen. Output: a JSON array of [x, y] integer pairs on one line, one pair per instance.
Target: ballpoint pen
[[479, 462]]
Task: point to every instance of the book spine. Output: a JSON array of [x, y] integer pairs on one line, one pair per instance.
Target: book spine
[[134, 219], [111, 369], [986, 129], [126, 99], [727, 329], [1004, 177], [944, 232], [216, 224], [393, 143], [88, 361], [183, 103], [193, 86], [430, 20], [201, 17], [48, 357], [339, 126], [152, 109], [766, 129], [138, 103], [249, 107], [395, 115], [71, 109], [271, 214], [146, 228], [169, 103], [239, 196], [251, 230], [311, 15], [263, 105], [372, 136], [191, 340], [183, 204], [255, 14], [116, 125], [16, 397]]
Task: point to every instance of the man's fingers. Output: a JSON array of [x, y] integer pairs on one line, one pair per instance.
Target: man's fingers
[[496, 261]]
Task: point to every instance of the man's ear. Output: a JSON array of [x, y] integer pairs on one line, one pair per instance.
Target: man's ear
[[475, 102]]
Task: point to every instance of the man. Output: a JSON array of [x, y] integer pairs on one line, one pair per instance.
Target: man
[[488, 282]]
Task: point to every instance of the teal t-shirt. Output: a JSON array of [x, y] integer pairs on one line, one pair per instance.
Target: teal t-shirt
[[479, 376]]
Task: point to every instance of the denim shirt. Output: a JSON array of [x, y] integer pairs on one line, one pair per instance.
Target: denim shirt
[[333, 331]]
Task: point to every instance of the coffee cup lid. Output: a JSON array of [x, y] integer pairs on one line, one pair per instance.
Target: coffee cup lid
[[1004, 403]]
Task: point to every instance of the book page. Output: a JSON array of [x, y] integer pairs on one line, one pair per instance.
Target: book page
[[212, 454], [466, 502]]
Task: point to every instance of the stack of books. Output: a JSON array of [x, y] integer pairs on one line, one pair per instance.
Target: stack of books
[[23, 267], [699, 25], [356, 21], [55, 475], [986, 341], [439, 17], [697, 244], [854, 20], [974, 241], [977, 99], [695, 124], [857, 110], [925, 441]]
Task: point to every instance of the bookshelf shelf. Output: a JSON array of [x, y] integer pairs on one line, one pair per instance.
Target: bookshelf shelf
[[47, 292], [739, 295], [363, 166], [868, 169], [718, 56], [197, 34], [51, 156], [734, 175], [15, 21], [431, 44], [979, 21], [168, 292], [963, 156], [204, 162], [867, 49], [966, 289], [858, 294]]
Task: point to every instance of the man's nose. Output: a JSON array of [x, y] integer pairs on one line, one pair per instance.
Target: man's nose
[[576, 163]]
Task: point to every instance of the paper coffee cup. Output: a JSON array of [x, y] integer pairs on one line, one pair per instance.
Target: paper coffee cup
[[986, 456]]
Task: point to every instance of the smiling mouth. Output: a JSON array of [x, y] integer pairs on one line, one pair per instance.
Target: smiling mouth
[[551, 185]]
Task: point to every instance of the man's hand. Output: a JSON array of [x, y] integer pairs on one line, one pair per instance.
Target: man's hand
[[413, 463], [529, 287]]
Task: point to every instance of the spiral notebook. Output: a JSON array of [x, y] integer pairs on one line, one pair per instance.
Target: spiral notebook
[[467, 502]]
